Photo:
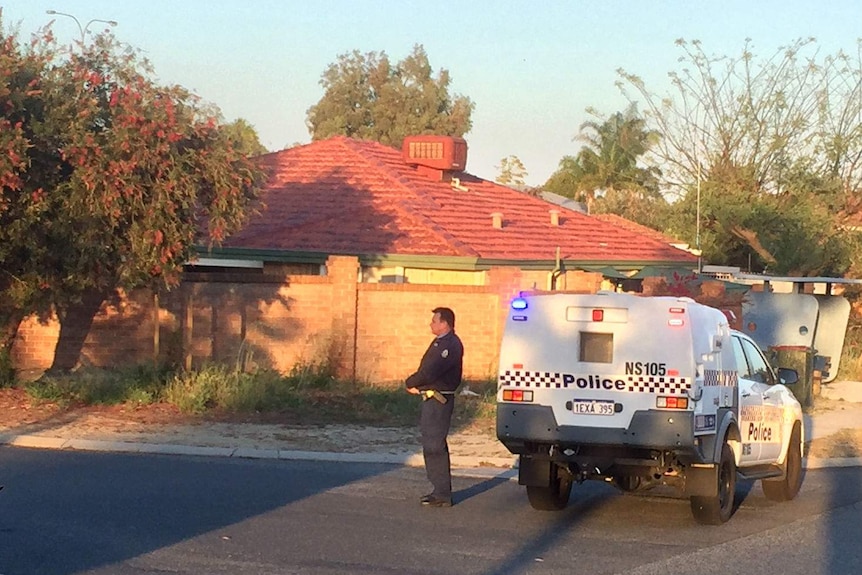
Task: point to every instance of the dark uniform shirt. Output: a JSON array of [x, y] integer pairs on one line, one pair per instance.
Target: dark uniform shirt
[[441, 366]]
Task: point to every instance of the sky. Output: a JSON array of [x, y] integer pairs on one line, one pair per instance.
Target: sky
[[532, 68]]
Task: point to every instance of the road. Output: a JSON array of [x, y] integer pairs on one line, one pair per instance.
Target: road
[[66, 512]]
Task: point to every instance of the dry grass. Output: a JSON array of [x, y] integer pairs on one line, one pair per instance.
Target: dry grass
[[845, 443]]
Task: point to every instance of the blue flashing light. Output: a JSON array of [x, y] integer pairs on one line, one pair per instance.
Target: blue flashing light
[[519, 303]]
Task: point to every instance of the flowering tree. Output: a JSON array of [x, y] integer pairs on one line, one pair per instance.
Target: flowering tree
[[108, 179]]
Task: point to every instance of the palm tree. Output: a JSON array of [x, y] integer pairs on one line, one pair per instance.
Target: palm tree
[[609, 160]]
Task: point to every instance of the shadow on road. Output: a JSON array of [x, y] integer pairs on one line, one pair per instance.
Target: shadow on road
[[65, 512]]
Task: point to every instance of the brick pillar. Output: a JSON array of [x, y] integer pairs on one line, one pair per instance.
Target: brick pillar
[[343, 272], [507, 283]]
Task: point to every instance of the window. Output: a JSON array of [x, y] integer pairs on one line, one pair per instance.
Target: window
[[759, 368], [597, 347], [741, 363], [750, 362]]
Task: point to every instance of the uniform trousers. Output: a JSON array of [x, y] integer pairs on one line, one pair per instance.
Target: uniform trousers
[[434, 422]]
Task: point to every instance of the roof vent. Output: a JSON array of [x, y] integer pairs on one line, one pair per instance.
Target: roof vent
[[497, 220], [438, 152]]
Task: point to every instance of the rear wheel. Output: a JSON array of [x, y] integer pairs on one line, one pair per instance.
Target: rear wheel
[[556, 495], [718, 509], [786, 488]]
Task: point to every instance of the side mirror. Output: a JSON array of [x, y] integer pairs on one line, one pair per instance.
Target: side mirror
[[787, 376]]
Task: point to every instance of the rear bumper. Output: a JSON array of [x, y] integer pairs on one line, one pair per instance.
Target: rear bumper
[[521, 426]]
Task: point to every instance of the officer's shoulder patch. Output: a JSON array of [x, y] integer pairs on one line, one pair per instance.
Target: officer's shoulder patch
[[445, 353]]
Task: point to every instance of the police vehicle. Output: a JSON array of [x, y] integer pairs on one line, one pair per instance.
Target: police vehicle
[[639, 392]]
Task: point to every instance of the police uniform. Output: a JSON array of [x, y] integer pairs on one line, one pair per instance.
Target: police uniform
[[440, 372]]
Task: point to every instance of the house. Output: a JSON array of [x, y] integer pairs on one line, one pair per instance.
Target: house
[[350, 246], [419, 217]]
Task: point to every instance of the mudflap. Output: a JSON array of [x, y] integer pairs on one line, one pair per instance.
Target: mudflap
[[533, 472], [701, 480]]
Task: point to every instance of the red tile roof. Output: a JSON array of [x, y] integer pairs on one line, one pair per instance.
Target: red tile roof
[[346, 196], [621, 222]]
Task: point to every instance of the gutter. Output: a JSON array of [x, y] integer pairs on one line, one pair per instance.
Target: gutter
[[456, 263]]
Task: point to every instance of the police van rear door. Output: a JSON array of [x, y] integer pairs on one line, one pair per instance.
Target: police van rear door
[[597, 359]]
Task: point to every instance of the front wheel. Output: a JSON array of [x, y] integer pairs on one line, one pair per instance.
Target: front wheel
[[787, 488], [556, 495], [718, 509]]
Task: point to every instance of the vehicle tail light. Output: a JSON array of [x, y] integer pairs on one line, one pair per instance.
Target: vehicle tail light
[[663, 402], [517, 395]]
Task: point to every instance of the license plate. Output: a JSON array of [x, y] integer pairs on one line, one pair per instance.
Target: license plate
[[592, 407]]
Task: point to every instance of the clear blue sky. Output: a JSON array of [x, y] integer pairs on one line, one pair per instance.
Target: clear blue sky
[[531, 67]]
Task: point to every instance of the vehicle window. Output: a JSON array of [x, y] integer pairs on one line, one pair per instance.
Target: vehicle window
[[741, 363], [597, 347], [759, 368]]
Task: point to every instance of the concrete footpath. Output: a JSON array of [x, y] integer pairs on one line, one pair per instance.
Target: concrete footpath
[[839, 407]]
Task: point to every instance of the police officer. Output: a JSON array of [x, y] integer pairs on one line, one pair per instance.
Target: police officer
[[436, 380]]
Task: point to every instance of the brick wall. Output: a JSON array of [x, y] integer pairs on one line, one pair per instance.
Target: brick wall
[[394, 328], [372, 332]]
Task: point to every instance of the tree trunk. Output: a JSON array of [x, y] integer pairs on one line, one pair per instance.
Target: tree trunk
[[75, 325], [9, 326]]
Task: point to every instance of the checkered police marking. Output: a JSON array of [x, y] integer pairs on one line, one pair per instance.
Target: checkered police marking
[[659, 384], [633, 384], [532, 379], [724, 377]]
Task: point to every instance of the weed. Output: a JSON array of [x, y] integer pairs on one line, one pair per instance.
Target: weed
[[7, 370], [93, 386], [312, 375], [850, 367], [48, 389], [308, 394]]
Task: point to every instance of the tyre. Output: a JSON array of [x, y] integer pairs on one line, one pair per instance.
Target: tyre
[[556, 495], [718, 509], [787, 488]]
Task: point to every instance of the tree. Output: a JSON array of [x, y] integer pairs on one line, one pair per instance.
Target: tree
[[244, 138], [512, 172], [774, 148], [609, 162], [368, 98], [112, 180]]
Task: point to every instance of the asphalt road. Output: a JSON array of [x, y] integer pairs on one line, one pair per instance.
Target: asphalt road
[[65, 512]]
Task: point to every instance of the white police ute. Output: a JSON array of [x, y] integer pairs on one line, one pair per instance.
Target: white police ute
[[639, 392]]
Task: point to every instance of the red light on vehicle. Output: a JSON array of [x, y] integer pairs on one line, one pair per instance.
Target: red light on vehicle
[[671, 402], [517, 366], [677, 310], [517, 395], [598, 315]]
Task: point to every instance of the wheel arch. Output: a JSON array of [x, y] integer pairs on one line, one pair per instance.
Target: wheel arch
[[728, 432]]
